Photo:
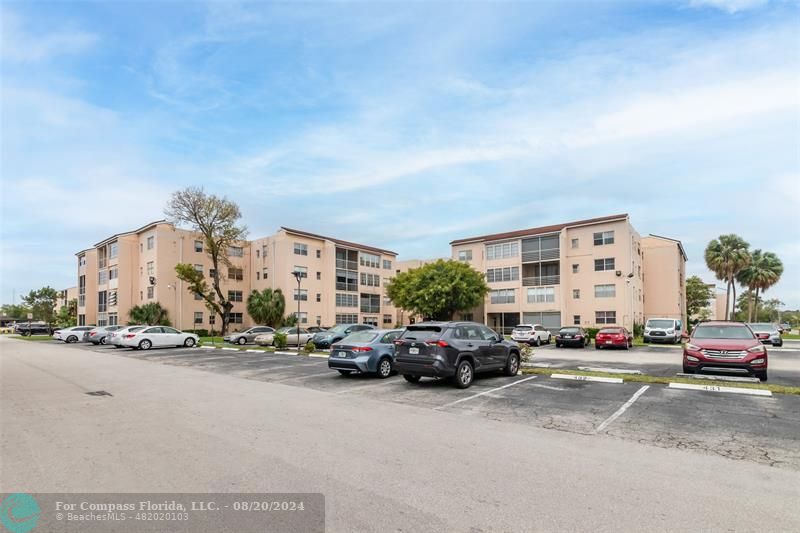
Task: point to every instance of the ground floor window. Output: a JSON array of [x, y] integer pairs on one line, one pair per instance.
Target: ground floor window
[[102, 319], [371, 320], [235, 318], [387, 319], [502, 296], [605, 317], [212, 319], [550, 320], [346, 318], [198, 317], [467, 317], [112, 319], [81, 320], [576, 320], [303, 317]]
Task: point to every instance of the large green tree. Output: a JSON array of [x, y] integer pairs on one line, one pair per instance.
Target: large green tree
[[438, 290], [267, 307], [67, 316], [217, 221], [150, 314], [42, 303], [19, 312], [698, 295], [764, 271], [726, 256]]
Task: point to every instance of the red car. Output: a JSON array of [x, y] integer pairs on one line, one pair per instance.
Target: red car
[[725, 347], [613, 338]]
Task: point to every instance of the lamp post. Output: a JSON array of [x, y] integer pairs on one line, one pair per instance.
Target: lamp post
[[298, 276]]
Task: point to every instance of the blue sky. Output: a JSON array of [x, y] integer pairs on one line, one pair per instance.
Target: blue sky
[[402, 125]]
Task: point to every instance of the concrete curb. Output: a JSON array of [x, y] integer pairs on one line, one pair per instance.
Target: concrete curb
[[607, 370], [718, 388], [737, 379]]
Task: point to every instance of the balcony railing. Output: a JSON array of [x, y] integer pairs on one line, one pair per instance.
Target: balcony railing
[[541, 255], [346, 265], [537, 281]]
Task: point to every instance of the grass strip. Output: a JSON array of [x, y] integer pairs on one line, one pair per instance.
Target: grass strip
[[645, 378], [34, 338]]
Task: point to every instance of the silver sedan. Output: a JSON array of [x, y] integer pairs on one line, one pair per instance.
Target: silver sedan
[[268, 339]]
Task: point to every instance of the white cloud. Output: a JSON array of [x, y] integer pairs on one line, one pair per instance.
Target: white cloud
[[20, 45]]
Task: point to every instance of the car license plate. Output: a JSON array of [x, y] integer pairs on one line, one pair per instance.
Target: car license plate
[[567, 336], [413, 351], [608, 342], [342, 354]]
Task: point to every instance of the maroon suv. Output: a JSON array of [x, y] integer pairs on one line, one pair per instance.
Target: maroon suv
[[725, 347]]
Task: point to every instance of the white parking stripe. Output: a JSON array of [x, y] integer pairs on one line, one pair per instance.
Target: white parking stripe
[[622, 409], [718, 388], [484, 392]]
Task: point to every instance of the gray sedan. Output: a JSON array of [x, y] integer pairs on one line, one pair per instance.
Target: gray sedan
[[247, 336], [367, 351]]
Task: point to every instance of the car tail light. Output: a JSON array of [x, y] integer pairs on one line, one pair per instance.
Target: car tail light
[[362, 349], [440, 344], [130, 335], [757, 349], [398, 342], [578, 336], [92, 333]]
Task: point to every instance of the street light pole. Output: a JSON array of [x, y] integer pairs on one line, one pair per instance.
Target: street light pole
[[298, 276]]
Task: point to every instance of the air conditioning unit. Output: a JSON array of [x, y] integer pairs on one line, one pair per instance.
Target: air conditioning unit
[[618, 272], [153, 280]]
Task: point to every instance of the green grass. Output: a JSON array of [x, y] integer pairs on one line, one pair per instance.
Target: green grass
[[645, 378], [35, 338], [791, 336]]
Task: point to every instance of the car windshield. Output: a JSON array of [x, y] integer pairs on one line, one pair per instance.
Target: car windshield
[[762, 327], [523, 328], [661, 324], [422, 333], [569, 331], [722, 332], [361, 336]]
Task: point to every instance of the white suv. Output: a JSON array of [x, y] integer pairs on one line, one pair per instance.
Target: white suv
[[533, 334]]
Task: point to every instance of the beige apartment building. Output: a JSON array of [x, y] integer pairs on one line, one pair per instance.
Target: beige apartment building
[[64, 297], [664, 278], [343, 282], [587, 272]]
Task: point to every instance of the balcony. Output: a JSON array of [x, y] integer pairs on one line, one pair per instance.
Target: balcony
[[537, 281], [346, 265], [540, 255]]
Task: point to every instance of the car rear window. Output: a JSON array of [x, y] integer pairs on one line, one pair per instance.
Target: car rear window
[[361, 336], [523, 328], [422, 333], [662, 324], [569, 330], [722, 332], [762, 327], [610, 330]]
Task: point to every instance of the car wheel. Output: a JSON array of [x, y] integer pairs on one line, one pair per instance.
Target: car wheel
[[384, 368], [596, 346], [411, 379], [464, 375], [512, 366], [688, 370], [558, 345], [241, 341], [762, 375], [189, 342], [537, 342], [72, 338], [345, 372], [145, 344], [780, 344], [102, 340]]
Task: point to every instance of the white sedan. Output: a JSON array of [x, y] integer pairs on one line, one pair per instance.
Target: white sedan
[[157, 337], [73, 334]]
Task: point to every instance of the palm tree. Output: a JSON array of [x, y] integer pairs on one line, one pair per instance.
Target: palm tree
[[150, 314], [267, 307], [763, 272], [726, 257]]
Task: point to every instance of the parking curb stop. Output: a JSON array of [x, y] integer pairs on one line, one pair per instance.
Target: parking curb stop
[[720, 388], [574, 377]]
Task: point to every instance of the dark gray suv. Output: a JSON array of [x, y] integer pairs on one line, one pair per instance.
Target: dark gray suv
[[456, 350]]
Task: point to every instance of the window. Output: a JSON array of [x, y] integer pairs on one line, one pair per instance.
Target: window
[[371, 320], [235, 318], [151, 242], [151, 292], [387, 265], [266, 273], [319, 297], [141, 295], [603, 237], [465, 255], [605, 317], [301, 294], [576, 268], [503, 296], [264, 250], [113, 250], [346, 280], [150, 268], [387, 319], [198, 246], [258, 276], [81, 291], [605, 291], [102, 301], [576, 320], [82, 261], [502, 274], [303, 271], [302, 319], [113, 272], [102, 277], [235, 273], [574, 243], [198, 268], [576, 294], [235, 251], [113, 319], [235, 296], [198, 317], [346, 318], [604, 264], [369, 260], [319, 254], [370, 280], [300, 249], [141, 247], [541, 295], [198, 296], [370, 303], [346, 300], [258, 254], [212, 273], [212, 319], [502, 250], [466, 317], [319, 275]]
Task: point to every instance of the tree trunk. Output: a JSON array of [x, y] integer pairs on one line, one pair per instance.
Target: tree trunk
[[756, 306], [750, 306], [728, 299], [733, 310]]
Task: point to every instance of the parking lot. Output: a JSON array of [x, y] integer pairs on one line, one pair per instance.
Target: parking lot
[[763, 430]]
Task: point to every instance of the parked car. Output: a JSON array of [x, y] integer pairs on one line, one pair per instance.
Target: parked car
[[767, 333], [325, 339], [115, 337], [32, 328], [719, 346], [315, 329], [456, 350], [572, 336], [366, 351], [613, 338], [268, 339], [70, 335], [666, 330], [158, 337], [100, 334], [248, 335], [786, 327], [533, 334]]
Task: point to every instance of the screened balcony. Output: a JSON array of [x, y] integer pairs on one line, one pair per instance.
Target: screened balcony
[[538, 249], [538, 274]]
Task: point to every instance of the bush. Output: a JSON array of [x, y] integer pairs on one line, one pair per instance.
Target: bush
[[638, 330], [198, 332], [525, 352], [279, 340], [591, 332], [309, 347]]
